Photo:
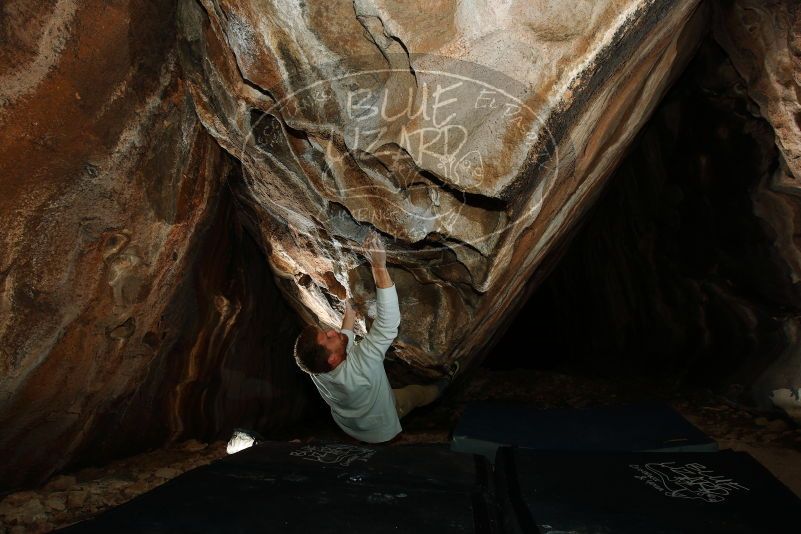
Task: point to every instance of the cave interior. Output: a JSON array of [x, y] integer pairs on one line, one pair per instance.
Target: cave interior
[[673, 288]]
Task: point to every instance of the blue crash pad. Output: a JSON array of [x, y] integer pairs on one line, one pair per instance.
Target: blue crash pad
[[485, 426], [316, 488], [633, 493]]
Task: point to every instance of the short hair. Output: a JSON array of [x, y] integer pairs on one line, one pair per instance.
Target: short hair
[[310, 355]]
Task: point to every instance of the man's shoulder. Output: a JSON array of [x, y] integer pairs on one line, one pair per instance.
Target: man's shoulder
[[363, 355]]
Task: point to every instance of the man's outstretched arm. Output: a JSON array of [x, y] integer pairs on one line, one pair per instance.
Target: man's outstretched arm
[[348, 318], [377, 256], [385, 327]]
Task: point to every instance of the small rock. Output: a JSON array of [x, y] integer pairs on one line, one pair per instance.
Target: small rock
[[76, 498], [142, 475], [60, 483], [56, 501], [29, 512], [112, 499], [761, 421], [137, 488], [15, 499], [167, 472]]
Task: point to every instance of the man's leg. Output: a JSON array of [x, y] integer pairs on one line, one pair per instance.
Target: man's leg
[[410, 397], [415, 395]]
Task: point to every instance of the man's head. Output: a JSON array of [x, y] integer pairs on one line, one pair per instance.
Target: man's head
[[320, 351]]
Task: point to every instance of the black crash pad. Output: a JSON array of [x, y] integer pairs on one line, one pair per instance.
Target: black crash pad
[[485, 426], [316, 488], [625, 493]]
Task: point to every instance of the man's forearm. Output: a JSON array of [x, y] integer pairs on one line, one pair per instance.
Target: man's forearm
[[384, 329], [381, 277], [348, 318]]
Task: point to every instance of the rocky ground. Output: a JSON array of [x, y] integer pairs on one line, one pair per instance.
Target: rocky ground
[[72, 497], [76, 496]]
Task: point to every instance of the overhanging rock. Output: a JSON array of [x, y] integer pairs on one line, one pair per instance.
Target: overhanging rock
[[474, 137]]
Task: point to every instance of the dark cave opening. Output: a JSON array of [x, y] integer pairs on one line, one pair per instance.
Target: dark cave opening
[[671, 274]]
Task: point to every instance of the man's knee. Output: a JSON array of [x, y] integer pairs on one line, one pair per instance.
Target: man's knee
[[413, 396], [401, 396]]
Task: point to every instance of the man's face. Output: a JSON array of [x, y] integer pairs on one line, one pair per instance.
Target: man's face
[[334, 341]]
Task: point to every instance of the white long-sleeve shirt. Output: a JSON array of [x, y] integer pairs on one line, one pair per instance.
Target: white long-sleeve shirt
[[358, 390]]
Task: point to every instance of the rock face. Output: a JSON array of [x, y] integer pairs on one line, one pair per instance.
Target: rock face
[[472, 136], [763, 40], [120, 328]]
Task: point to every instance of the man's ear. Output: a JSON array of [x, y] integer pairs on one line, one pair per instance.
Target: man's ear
[[333, 360]]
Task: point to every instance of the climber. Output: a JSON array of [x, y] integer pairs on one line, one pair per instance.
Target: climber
[[350, 375]]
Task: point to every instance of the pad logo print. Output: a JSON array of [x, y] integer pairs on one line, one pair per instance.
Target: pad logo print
[[689, 481], [343, 455]]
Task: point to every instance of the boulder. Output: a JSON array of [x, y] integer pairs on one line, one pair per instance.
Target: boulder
[[472, 136]]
